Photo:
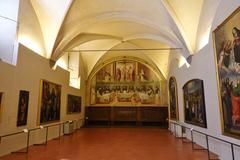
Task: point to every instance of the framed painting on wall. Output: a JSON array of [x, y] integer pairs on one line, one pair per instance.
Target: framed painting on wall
[[227, 56], [1, 105], [22, 108], [194, 103], [173, 98], [50, 101], [74, 104]]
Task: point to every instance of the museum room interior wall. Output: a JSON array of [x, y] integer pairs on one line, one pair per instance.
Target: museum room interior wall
[[203, 67], [30, 69], [8, 30], [32, 65]]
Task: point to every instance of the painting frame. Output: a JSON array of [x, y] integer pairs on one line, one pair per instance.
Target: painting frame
[[225, 94], [23, 102], [172, 86], [1, 105], [74, 104], [194, 103], [45, 100]]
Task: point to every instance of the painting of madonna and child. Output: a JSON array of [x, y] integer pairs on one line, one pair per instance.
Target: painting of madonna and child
[[126, 83], [227, 54]]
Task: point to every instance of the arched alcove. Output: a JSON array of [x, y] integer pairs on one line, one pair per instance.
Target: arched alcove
[[126, 81]]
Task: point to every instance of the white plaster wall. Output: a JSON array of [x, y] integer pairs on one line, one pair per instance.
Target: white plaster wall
[[9, 9], [203, 67], [8, 29], [30, 69], [29, 32]]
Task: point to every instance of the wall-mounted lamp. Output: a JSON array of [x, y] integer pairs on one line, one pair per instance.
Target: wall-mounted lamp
[[189, 61]]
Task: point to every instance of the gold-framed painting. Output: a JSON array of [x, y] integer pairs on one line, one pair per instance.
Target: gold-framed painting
[[227, 57], [50, 102], [22, 108], [74, 104], [194, 103], [173, 98], [1, 104]]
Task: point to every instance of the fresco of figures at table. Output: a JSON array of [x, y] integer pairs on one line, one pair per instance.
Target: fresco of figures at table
[[227, 55], [127, 83], [50, 102]]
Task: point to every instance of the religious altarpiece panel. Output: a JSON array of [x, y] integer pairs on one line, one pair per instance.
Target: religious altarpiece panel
[[74, 104], [50, 100], [1, 104], [173, 98], [22, 108], [194, 103], [227, 56]]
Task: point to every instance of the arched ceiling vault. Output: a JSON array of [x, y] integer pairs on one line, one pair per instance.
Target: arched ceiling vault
[[118, 25], [83, 24], [86, 37], [187, 23], [51, 16], [159, 58]]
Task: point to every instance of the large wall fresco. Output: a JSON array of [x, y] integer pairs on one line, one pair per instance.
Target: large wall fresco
[[125, 83]]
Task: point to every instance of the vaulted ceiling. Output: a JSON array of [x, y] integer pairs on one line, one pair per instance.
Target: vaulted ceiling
[[75, 25]]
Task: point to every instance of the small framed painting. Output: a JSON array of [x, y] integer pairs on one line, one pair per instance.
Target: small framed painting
[[74, 104], [173, 98], [1, 104], [194, 103], [22, 108]]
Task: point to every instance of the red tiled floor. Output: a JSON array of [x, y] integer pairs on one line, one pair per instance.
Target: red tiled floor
[[113, 144]]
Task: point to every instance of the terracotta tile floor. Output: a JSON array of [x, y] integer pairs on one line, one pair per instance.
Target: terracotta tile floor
[[113, 144]]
